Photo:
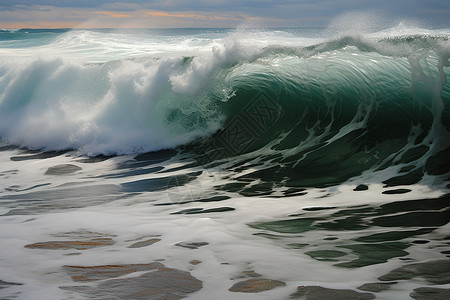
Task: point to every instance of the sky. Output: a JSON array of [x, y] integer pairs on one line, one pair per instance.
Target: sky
[[213, 13]]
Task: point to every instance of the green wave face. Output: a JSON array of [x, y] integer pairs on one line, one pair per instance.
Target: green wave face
[[320, 116], [361, 108]]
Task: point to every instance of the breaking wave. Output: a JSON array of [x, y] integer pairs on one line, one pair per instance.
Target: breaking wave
[[354, 103]]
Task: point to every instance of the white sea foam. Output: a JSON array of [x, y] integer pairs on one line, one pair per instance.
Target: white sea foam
[[52, 97], [102, 108], [139, 97], [232, 246]]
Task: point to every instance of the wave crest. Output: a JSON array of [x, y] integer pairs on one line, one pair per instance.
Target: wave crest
[[326, 90]]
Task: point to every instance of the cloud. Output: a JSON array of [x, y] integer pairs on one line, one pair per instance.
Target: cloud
[[206, 13], [173, 15], [112, 14], [44, 16]]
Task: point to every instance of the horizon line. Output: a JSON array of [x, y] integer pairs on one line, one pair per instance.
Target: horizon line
[[236, 27]]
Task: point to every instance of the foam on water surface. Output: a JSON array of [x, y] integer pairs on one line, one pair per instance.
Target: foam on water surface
[[228, 243], [290, 160]]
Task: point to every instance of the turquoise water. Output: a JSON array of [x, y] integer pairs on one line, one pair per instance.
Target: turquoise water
[[253, 151]]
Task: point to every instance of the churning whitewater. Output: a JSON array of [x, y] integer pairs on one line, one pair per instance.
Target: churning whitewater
[[219, 163]]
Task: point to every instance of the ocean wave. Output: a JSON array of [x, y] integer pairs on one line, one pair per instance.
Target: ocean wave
[[370, 101]]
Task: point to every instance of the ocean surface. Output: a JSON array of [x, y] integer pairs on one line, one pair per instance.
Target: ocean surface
[[309, 163]]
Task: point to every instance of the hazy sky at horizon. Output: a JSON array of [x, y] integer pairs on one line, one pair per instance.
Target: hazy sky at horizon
[[217, 13]]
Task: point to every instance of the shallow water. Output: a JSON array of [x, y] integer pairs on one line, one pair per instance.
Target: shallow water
[[332, 237]]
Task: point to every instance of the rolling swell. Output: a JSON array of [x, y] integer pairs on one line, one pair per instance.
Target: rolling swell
[[337, 111], [366, 108]]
